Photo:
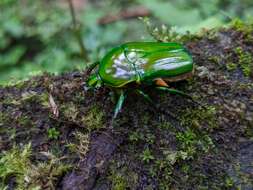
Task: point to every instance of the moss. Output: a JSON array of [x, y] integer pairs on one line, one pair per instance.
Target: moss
[[244, 27], [4, 118], [122, 178], [70, 111], [196, 118], [15, 83], [16, 163], [231, 66], [118, 182], [29, 97], [82, 146], [195, 138], [245, 60], [165, 125], [215, 59], [94, 118], [46, 174], [25, 121]]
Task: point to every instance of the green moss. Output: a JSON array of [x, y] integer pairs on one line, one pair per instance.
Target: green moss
[[196, 118], [16, 163], [29, 97], [122, 178], [215, 59], [231, 66], [93, 119], [245, 60], [118, 182], [165, 125], [136, 136], [4, 118], [242, 26], [195, 139], [15, 83]]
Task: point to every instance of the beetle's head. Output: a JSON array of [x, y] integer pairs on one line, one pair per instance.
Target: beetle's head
[[94, 81]]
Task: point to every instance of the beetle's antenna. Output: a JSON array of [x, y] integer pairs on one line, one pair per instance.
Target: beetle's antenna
[[77, 31]]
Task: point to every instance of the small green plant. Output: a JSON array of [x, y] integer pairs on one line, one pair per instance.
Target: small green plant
[[188, 141], [136, 136], [53, 133], [147, 156]]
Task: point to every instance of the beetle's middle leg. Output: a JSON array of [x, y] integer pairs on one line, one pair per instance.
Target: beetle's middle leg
[[120, 102]]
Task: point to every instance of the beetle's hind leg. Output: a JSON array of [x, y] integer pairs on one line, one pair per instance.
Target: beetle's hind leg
[[178, 92], [146, 96]]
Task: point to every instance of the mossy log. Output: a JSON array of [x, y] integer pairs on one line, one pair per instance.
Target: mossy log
[[177, 145]]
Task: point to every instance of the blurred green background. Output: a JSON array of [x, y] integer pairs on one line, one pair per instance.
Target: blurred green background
[[36, 35]]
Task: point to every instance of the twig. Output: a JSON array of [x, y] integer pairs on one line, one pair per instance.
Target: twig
[[77, 31]]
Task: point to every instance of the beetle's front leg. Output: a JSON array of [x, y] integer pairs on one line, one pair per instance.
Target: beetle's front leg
[[90, 68]]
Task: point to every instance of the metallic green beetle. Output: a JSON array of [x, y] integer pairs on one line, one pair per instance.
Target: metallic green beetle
[[141, 64]]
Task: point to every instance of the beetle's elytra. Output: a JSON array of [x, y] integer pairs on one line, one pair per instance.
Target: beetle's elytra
[[149, 63]]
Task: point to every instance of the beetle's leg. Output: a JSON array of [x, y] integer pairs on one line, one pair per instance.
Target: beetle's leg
[[161, 82], [90, 68], [119, 104], [173, 91], [178, 92], [146, 97]]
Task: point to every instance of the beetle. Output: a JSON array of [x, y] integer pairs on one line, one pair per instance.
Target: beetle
[[133, 65]]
